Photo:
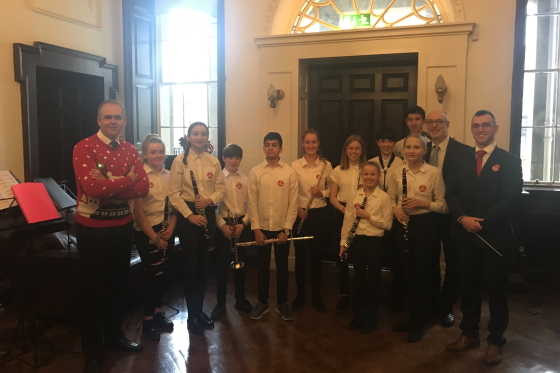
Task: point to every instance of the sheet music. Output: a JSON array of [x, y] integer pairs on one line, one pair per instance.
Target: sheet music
[[7, 179]]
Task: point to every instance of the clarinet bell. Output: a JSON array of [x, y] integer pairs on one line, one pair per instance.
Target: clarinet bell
[[237, 265]]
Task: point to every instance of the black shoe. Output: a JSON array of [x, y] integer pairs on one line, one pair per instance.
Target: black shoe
[[123, 344], [404, 326], [205, 321], [243, 305], [298, 303], [447, 320], [150, 331], [417, 334], [369, 324], [356, 322], [342, 304], [162, 322], [92, 366], [218, 311], [195, 326], [318, 304]]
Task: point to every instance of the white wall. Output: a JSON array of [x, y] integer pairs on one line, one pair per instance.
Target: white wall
[[20, 24]]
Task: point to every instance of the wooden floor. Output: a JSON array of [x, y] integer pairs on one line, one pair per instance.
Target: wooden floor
[[316, 342]]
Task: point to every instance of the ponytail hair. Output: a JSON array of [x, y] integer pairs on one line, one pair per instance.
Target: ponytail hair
[[313, 131], [185, 143], [150, 139]]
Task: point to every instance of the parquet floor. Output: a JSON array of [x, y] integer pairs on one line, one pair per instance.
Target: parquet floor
[[316, 342]]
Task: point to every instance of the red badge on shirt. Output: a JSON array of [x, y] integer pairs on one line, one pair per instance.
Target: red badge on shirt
[[357, 205], [360, 186], [318, 176], [209, 175], [238, 185], [151, 184], [280, 183], [496, 167], [422, 188]]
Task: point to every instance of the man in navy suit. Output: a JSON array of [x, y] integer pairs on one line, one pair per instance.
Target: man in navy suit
[[483, 190], [441, 151]]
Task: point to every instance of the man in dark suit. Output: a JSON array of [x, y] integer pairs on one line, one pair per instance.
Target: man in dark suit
[[441, 151], [483, 190]]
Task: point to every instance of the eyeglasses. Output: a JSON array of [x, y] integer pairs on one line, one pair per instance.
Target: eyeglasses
[[484, 125], [439, 122]]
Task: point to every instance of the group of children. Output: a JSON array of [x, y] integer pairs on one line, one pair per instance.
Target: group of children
[[207, 206]]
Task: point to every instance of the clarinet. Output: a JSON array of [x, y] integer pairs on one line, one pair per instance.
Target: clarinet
[[404, 195], [352, 233], [165, 224], [311, 198], [197, 196]]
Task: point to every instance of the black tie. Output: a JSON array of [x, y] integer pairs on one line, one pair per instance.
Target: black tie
[[114, 144]]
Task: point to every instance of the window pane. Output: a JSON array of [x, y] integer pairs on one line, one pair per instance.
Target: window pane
[[541, 42], [540, 99], [213, 105], [538, 154]]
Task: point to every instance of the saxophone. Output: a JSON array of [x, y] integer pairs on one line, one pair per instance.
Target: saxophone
[[200, 212], [311, 198], [352, 233]]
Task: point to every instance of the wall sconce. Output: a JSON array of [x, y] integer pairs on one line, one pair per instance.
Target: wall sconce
[[274, 95], [441, 88]]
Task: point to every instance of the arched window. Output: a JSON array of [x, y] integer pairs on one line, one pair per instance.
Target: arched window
[[334, 15]]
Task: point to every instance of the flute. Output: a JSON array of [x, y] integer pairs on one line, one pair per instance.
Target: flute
[[236, 264], [273, 240], [311, 198], [352, 233]]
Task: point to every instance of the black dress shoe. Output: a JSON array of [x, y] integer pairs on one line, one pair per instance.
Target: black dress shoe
[[318, 304], [123, 344], [404, 326], [195, 326], [92, 366], [447, 320], [298, 303], [162, 322], [342, 304], [205, 321], [417, 334], [356, 322], [218, 311], [150, 331], [243, 305]]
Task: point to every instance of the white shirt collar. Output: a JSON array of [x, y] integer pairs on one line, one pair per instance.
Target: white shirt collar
[[303, 162], [227, 173], [489, 149], [443, 144], [104, 138], [149, 170]]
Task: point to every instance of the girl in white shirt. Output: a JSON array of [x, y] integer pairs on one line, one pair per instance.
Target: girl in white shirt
[[425, 197], [366, 248], [345, 180], [195, 231], [313, 173], [151, 214]]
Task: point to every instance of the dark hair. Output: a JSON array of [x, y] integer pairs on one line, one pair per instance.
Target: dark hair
[[416, 110], [387, 133], [313, 131], [484, 112], [150, 139], [188, 145], [374, 164], [273, 136], [114, 102], [232, 150], [344, 161]]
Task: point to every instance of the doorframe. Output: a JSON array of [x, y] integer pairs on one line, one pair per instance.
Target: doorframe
[[26, 60]]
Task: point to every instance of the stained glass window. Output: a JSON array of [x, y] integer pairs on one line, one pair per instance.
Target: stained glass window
[[334, 15]]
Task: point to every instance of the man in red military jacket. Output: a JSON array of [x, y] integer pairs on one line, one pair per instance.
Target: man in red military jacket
[[104, 230]]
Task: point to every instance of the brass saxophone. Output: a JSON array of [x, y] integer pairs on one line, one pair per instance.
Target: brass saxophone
[[352, 233], [200, 212], [311, 198]]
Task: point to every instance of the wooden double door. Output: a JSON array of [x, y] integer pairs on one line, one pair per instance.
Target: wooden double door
[[360, 97]]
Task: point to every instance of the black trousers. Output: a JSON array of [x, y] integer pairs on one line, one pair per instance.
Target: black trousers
[[417, 255], [223, 256], [482, 266], [155, 269], [312, 226], [444, 298], [263, 273], [195, 259], [341, 266], [367, 255], [104, 255], [391, 251]]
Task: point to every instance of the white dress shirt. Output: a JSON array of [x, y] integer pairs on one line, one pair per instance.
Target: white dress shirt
[[209, 179], [348, 182], [379, 206], [426, 185], [153, 204], [386, 169], [441, 152], [273, 193], [235, 198], [489, 149], [308, 177]]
